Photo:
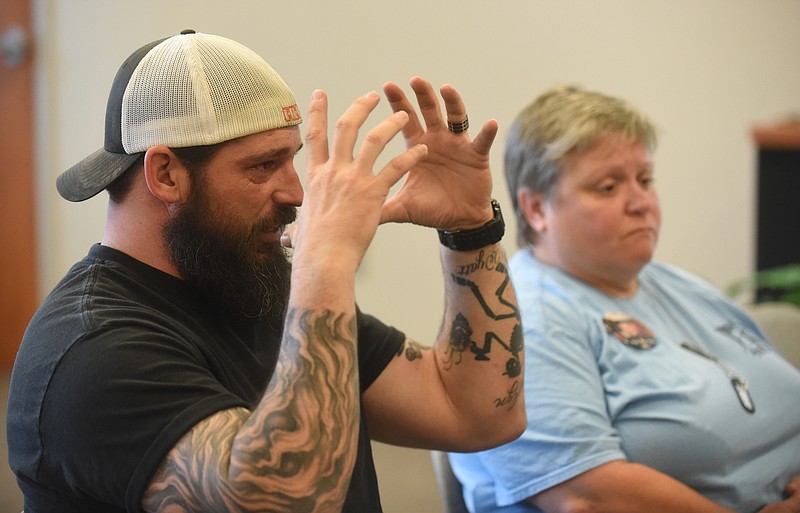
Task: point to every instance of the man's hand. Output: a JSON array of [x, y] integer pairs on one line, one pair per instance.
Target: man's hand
[[343, 196], [451, 187]]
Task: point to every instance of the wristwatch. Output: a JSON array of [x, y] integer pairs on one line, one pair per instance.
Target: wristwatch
[[468, 240]]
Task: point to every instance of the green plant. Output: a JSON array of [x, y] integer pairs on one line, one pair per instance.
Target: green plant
[[775, 284]]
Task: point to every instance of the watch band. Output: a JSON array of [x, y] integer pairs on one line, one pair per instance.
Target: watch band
[[468, 240]]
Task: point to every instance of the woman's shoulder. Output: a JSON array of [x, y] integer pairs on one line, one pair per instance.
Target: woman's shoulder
[[531, 276], [549, 298]]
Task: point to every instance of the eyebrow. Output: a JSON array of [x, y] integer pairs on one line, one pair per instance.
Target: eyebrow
[[270, 155]]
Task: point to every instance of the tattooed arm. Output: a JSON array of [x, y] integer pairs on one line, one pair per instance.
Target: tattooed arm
[[281, 456], [296, 450], [466, 392]]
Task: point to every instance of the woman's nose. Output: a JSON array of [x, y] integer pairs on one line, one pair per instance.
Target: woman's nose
[[641, 198]]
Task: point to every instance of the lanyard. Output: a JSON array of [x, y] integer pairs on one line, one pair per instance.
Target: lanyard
[[739, 384]]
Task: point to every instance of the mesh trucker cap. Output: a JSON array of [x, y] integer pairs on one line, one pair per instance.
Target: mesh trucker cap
[[187, 90]]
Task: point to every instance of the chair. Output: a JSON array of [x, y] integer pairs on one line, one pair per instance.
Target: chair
[[448, 484], [781, 324]]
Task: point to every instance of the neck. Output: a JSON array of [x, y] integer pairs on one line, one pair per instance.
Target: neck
[[137, 232], [623, 291], [618, 285]]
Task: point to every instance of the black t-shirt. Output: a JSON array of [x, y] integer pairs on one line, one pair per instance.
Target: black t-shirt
[[119, 362]]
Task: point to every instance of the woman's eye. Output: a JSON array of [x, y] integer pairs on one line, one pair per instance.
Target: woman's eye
[[607, 187]]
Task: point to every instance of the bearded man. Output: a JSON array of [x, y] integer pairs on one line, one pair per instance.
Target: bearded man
[[185, 366]]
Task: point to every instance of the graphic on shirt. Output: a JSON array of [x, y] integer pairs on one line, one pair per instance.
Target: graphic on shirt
[[628, 330], [748, 340]]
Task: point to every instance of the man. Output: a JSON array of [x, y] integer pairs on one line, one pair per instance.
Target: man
[[173, 370]]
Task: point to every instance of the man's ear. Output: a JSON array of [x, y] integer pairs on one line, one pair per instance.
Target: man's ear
[[165, 175], [532, 205]]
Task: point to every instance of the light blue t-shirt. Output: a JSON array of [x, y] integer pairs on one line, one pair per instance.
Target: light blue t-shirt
[[607, 379]]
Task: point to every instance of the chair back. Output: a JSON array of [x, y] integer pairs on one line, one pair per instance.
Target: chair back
[[449, 486], [781, 325]]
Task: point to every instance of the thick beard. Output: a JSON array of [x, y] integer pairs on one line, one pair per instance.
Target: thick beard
[[219, 258]]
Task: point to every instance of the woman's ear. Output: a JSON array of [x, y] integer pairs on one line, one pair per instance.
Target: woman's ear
[[166, 177], [532, 205]]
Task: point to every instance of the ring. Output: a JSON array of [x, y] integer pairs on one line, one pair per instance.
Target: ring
[[458, 127]]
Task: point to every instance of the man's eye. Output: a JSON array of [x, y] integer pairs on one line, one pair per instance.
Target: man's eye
[[267, 166]]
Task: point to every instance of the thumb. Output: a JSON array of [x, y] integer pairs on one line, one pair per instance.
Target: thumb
[[394, 211]]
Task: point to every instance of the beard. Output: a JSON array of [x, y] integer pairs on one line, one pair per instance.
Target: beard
[[227, 261]]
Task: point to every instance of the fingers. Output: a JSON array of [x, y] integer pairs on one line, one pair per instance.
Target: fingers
[[455, 111], [428, 106], [348, 125], [429, 103], [399, 166], [483, 141], [399, 102], [794, 486], [346, 135], [317, 131], [288, 236], [347, 129], [376, 139], [454, 105], [792, 501]]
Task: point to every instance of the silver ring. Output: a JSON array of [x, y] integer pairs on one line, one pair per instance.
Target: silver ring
[[458, 126]]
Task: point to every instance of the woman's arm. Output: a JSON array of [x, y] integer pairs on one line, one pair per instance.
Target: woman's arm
[[622, 487]]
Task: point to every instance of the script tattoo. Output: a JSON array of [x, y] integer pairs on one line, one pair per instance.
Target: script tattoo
[[294, 452], [488, 262], [461, 332], [511, 397]]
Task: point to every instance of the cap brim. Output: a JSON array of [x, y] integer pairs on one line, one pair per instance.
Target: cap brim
[[93, 174]]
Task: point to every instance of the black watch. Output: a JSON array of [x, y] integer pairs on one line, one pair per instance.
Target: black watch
[[468, 240]]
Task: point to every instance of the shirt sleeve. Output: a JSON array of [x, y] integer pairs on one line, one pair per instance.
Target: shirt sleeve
[[117, 404], [377, 345]]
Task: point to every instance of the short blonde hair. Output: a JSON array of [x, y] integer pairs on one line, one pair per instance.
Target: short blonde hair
[[563, 121]]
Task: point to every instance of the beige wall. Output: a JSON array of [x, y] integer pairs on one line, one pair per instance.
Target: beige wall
[[705, 70]]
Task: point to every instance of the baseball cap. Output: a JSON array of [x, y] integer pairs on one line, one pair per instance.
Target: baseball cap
[[191, 89]]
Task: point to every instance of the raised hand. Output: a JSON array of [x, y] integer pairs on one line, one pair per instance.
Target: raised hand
[[343, 196], [451, 187]]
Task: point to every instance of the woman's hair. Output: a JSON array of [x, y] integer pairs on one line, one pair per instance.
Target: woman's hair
[[564, 121]]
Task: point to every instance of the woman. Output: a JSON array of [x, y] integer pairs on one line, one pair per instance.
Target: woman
[[647, 389]]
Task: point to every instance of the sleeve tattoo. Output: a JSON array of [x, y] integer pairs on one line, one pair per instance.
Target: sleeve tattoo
[[294, 452]]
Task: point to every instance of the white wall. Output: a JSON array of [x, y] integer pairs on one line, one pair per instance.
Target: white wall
[[705, 70]]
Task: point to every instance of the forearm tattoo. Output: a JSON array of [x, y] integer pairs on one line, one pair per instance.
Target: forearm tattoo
[[510, 399], [461, 332], [295, 452]]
